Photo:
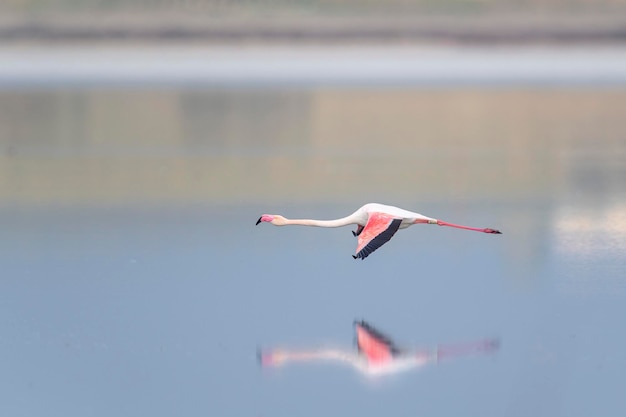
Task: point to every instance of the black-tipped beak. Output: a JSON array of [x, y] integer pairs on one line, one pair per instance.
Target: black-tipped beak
[[258, 221]]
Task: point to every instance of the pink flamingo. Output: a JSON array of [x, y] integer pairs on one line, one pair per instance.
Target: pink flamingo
[[376, 353], [376, 224]]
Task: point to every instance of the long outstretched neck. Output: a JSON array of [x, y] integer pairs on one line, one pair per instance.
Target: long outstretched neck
[[321, 354], [279, 357], [458, 226], [344, 221]]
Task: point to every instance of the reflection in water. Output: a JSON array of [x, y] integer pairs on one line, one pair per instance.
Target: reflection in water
[[581, 230], [170, 147], [592, 243], [376, 354]]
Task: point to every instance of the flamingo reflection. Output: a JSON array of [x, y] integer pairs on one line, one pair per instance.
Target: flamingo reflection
[[376, 353]]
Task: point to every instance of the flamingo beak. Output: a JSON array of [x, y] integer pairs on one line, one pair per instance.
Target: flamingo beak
[[265, 218]]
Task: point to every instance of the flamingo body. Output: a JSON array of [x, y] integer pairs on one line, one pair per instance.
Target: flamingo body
[[376, 225]]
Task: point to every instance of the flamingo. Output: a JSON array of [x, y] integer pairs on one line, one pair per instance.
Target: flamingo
[[376, 353], [376, 224]]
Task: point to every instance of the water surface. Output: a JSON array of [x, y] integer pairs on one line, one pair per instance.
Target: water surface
[[135, 282]]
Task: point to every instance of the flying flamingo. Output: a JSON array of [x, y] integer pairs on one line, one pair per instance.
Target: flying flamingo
[[376, 224], [376, 353]]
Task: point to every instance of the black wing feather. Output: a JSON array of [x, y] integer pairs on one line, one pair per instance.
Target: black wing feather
[[379, 240]]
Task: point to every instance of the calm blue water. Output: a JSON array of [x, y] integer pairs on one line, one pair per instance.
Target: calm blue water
[[134, 281]]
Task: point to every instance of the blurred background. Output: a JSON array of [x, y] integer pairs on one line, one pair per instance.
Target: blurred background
[[140, 141], [312, 21]]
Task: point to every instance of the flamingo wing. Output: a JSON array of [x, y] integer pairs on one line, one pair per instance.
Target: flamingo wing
[[377, 347], [379, 229]]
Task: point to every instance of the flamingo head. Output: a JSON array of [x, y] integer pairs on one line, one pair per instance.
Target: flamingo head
[[274, 219]]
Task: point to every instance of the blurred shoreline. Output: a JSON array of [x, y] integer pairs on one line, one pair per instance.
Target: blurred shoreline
[[167, 28]]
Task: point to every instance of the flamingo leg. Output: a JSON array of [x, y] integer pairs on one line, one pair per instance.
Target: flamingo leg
[[475, 229]]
